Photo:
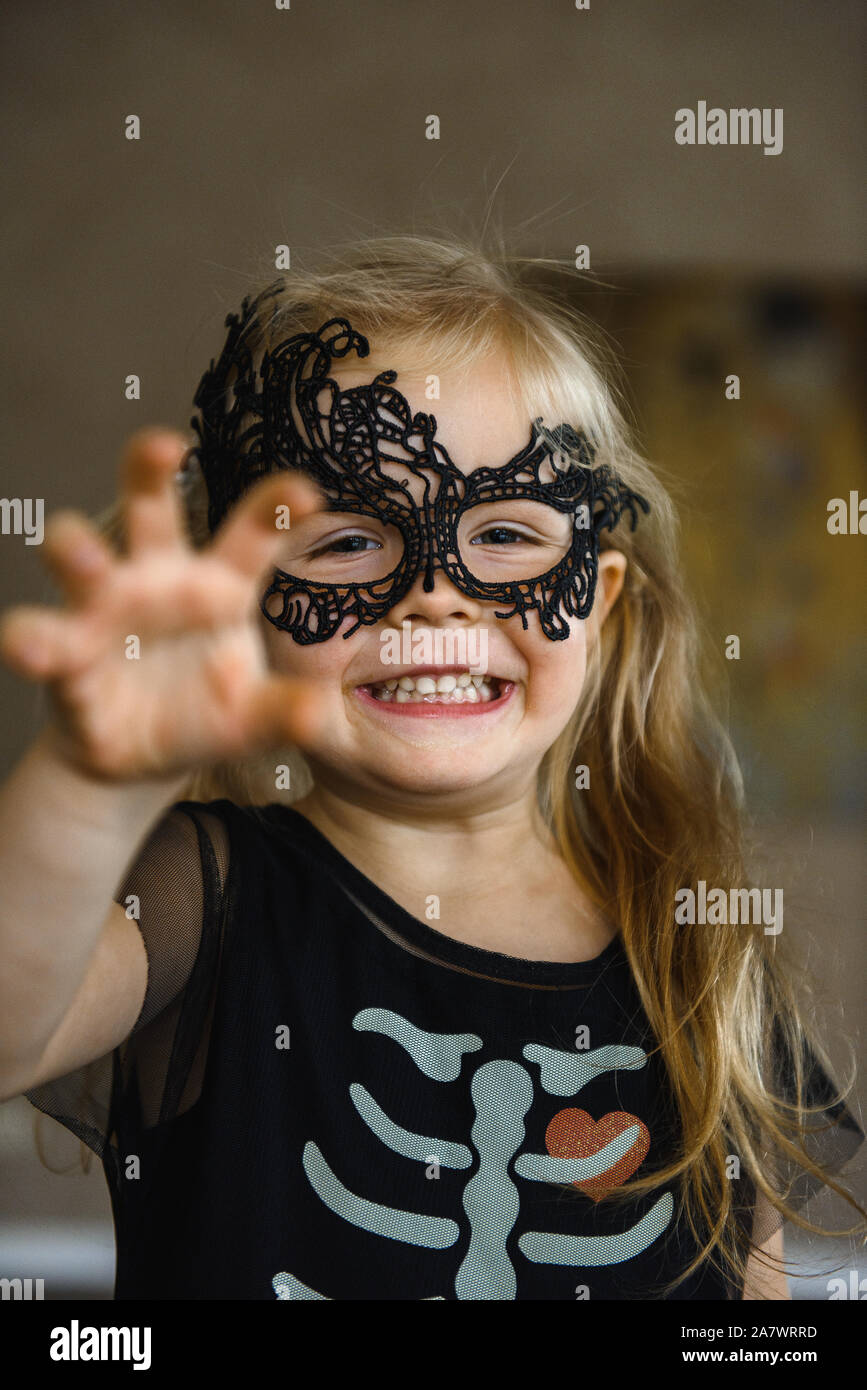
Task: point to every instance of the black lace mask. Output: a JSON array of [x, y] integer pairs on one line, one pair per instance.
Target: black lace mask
[[362, 446]]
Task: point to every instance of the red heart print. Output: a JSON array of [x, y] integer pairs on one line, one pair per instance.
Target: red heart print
[[575, 1134]]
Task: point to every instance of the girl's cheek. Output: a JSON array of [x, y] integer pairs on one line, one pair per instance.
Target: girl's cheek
[[280, 649], [555, 670], [557, 687], [287, 658], [327, 662]]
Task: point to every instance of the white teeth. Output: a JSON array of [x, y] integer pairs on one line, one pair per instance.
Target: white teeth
[[446, 689]]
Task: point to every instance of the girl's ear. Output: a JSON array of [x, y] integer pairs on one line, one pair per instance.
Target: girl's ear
[[612, 573]]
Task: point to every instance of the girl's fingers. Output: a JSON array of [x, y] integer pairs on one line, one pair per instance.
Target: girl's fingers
[[42, 643], [251, 535], [152, 508], [281, 708], [77, 556]]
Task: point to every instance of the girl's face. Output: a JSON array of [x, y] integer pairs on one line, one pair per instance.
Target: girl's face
[[491, 753]]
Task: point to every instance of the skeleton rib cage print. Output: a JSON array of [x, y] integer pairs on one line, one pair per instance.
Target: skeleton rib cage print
[[502, 1092]]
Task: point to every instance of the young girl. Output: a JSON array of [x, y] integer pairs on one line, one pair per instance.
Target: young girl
[[436, 1029]]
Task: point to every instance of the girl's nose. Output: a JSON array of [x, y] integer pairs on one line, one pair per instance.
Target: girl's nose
[[444, 602]]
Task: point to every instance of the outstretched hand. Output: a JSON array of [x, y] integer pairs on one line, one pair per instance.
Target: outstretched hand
[[156, 664]]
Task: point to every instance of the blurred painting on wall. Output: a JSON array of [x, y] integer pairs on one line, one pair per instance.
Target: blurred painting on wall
[[747, 397]]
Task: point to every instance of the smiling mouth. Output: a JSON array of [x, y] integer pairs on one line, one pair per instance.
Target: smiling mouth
[[459, 692], [462, 688]]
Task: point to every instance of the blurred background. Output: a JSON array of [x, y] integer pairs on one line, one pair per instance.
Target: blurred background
[[263, 127]]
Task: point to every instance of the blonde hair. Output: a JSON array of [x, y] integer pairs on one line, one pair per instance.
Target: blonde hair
[[664, 806]]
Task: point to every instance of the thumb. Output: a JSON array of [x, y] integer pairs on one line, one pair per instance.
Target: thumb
[[286, 708]]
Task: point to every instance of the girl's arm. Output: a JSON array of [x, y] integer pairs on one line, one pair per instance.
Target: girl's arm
[[65, 840], [130, 721], [763, 1280]]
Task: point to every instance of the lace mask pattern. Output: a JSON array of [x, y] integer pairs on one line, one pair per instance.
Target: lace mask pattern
[[245, 432]]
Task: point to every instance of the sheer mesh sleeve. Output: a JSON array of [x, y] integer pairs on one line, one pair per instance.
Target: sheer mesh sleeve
[[175, 889], [832, 1136]]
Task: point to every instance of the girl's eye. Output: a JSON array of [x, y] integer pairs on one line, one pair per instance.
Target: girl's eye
[[346, 545], [343, 549], [501, 535]]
